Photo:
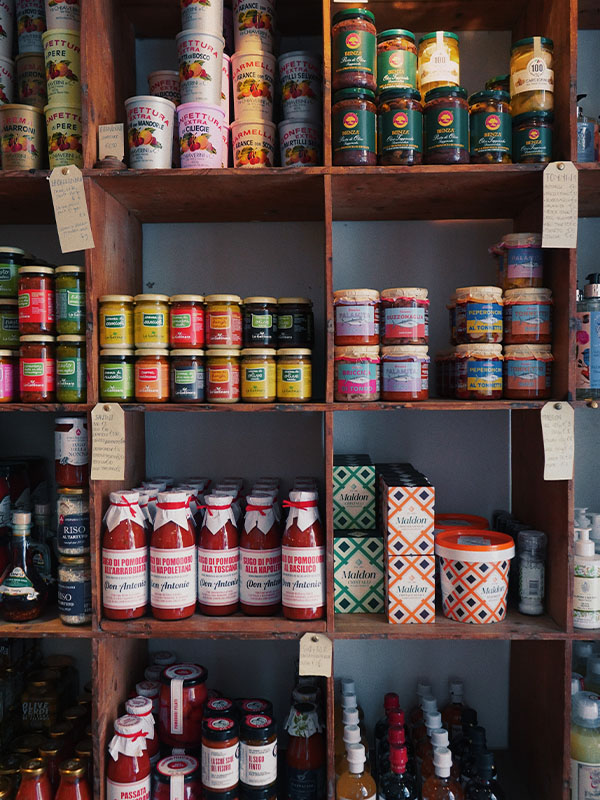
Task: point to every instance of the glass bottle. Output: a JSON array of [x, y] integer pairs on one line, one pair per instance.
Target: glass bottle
[[477, 746], [305, 756], [452, 713], [23, 591], [532, 558], [585, 744], [460, 744], [439, 738], [397, 734], [73, 783], [356, 783], [416, 714], [352, 735], [484, 786], [34, 781], [441, 786], [428, 706], [391, 702], [588, 340], [433, 722], [397, 783], [44, 559], [586, 134]]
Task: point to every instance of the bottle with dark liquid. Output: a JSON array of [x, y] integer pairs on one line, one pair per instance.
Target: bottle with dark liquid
[[23, 593]]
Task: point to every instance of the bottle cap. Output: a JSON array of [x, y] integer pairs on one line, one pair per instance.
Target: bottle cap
[[396, 735], [398, 759], [356, 757], [442, 761], [391, 701], [21, 518], [348, 686], [583, 650], [429, 705], [423, 688], [586, 710], [43, 509], [439, 738], [349, 701], [350, 716], [456, 689], [469, 718], [584, 546], [532, 542], [396, 717], [433, 721], [352, 734], [576, 683], [484, 765]]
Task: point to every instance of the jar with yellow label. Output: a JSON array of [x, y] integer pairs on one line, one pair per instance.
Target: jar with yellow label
[[532, 75], [294, 375], [258, 375], [151, 320], [115, 320], [439, 61]]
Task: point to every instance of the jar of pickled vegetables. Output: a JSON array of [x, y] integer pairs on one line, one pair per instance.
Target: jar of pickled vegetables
[[354, 49], [223, 321], [115, 319], [9, 322], [37, 369], [528, 316], [151, 320], [532, 137], [70, 300], [396, 60], [520, 261], [354, 128], [400, 127], [532, 75], [479, 314], [71, 373], [479, 371], [356, 314], [439, 61], [116, 375], [490, 128], [528, 372], [404, 316], [446, 126]]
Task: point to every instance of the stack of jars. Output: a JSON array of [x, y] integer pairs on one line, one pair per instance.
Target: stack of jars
[[398, 319]]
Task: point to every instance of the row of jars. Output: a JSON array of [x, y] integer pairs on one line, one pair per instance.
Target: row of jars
[[398, 373], [398, 316], [44, 369], [192, 375], [215, 321]]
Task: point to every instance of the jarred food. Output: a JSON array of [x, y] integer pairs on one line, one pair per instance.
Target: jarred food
[[115, 319], [222, 376], [220, 754], [36, 300], [528, 372], [8, 376], [187, 376], [354, 49], [258, 750], [294, 375], [446, 126], [173, 771], [186, 320], [305, 755], [260, 558], [9, 321], [218, 558], [528, 316], [152, 375], [490, 128], [532, 75], [183, 687], [116, 375], [357, 374], [71, 373], [520, 261], [479, 314], [73, 530], [354, 128], [303, 559], [11, 258], [356, 317], [128, 765], [151, 320], [37, 369], [223, 321], [479, 371], [295, 322], [258, 376], [260, 322], [396, 60], [439, 61], [35, 784], [532, 137], [404, 316], [70, 300], [400, 127], [71, 452], [405, 373]]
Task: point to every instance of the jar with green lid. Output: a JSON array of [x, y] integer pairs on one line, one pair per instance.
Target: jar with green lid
[[354, 44], [446, 126], [396, 60], [116, 375], [70, 300], [354, 127], [115, 320], [9, 322], [499, 83], [11, 258], [400, 127], [490, 128], [71, 373], [532, 137]]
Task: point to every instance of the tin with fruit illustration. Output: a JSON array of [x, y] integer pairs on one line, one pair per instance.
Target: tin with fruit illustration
[[200, 66], [62, 57], [299, 143], [254, 24], [31, 24], [7, 27], [63, 14], [64, 130], [253, 83], [31, 79], [165, 83], [300, 81], [200, 136], [7, 82], [202, 15], [253, 144], [150, 123], [23, 137]]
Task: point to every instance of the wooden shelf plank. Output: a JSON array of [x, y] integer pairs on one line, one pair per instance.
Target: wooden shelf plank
[[589, 188], [453, 15], [233, 407], [47, 625], [237, 626], [52, 408], [435, 404]]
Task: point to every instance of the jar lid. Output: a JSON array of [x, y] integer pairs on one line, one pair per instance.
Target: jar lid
[[74, 561], [353, 13], [148, 688], [189, 298], [258, 351], [49, 747], [472, 546], [405, 350], [219, 729], [69, 268], [531, 116], [357, 351], [527, 294], [522, 239], [258, 726], [353, 93], [138, 706], [248, 300], [70, 338], [151, 298], [118, 351], [294, 351], [9, 353], [497, 79], [419, 294], [489, 94], [151, 351], [34, 337], [225, 352], [223, 298], [128, 724], [447, 35], [356, 295], [493, 293], [255, 705], [15, 250], [115, 298], [286, 301], [191, 674], [443, 91], [72, 491], [33, 766], [529, 40], [8, 301], [403, 92], [76, 712], [479, 350], [73, 767], [392, 33], [220, 706], [31, 270], [186, 352], [183, 765], [84, 747], [543, 352]]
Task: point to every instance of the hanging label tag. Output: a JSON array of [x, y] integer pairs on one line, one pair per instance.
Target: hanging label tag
[[111, 141], [558, 431], [108, 442], [561, 205], [316, 652], [70, 209]]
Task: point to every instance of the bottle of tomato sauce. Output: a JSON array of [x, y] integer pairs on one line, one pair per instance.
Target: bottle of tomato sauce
[[305, 756], [124, 558], [173, 558], [35, 784], [303, 559], [260, 559], [218, 558], [128, 767], [73, 782], [141, 707]]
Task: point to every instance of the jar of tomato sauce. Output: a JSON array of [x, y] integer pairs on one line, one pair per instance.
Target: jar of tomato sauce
[[124, 558], [479, 371], [356, 317], [305, 755], [218, 558], [178, 777], [404, 316], [37, 378], [260, 559], [303, 559], [152, 376], [182, 698], [220, 754], [36, 300], [528, 372], [258, 750], [528, 316], [141, 707], [222, 376], [223, 321], [405, 373], [52, 754], [35, 784], [71, 452], [128, 765]]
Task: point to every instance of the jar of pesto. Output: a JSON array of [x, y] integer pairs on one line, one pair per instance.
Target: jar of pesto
[[70, 300], [11, 258], [116, 375], [71, 373], [9, 323]]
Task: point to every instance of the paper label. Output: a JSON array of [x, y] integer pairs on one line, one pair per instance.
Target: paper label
[[260, 577], [315, 655], [138, 790], [220, 767], [258, 764], [111, 141], [558, 420], [125, 578], [108, 442], [218, 576], [70, 209], [71, 447], [303, 577], [173, 577], [561, 209], [585, 780]]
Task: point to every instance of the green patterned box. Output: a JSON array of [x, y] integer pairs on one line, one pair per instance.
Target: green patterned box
[[358, 573], [354, 507]]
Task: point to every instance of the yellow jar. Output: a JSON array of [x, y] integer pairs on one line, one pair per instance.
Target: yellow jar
[[258, 375], [439, 61], [116, 320], [151, 320], [294, 375], [532, 75]]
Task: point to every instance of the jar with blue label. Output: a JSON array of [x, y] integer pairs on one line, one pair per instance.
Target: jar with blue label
[[528, 316], [520, 261], [479, 371], [479, 315], [73, 530], [405, 373], [74, 590], [357, 374], [528, 372]]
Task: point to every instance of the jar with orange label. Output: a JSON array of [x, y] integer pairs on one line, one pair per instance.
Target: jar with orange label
[[223, 376], [186, 328], [528, 372], [356, 317], [37, 369], [479, 315], [223, 321], [36, 300], [404, 316], [528, 316], [152, 375]]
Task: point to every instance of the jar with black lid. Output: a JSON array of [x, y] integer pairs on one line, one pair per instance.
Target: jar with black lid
[[258, 750], [259, 323], [400, 127], [116, 375], [446, 126], [295, 322], [354, 128]]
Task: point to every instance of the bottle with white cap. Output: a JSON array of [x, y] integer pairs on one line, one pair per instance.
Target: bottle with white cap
[[350, 716], [453, 711], [356, 783], [594, 518], [416, 714], [581, 518], [428, 706], [577, 683], [585, 744], [439, 738], [586, 592], [352, 735], [433, 722], [441, 785], [581, 652], [532, 566]]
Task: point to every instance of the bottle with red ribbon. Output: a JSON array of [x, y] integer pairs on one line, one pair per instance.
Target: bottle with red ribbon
[[260, 559], [303, 559], [128, 767], [141, 707], [218, 558]]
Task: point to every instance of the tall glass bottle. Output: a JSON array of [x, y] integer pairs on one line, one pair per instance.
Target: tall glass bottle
[[441, 786], [484, 786], [23, 591], [452, 713], [588, 340], [460, 744], [356, 783], [397, 784], [44, 559], [468, 763], [391, 702]]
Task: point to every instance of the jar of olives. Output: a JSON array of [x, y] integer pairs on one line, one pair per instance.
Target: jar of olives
[[532, 75], [532, 137], [354, 124], [446, 126], [400, 127], [396, 60], [490, 125], [354, 49]]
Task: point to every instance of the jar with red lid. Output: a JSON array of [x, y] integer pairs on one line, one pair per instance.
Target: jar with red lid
[[528, 372], [258, 750], [178, 777], [220, 707], [220, 754], [37, 373], [186, 321], [405, 373], [141, 707], [404, 316], [303, 559], [357, 374], [479, 371], [8, 376], [128, 764], [528, 316], [71, 452], [36, 300], [356, 317], [223, 321], [182, 698]]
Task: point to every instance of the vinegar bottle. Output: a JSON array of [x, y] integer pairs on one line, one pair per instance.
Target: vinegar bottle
[[484, 785], [391, 702], [356, 783], [416, 715], [441, 786]]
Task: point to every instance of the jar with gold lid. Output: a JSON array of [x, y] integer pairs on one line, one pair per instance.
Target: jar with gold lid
[[115, 320], [151, 320]]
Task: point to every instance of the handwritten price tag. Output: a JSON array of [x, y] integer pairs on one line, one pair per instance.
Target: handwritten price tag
[[70, 209], [111, 141], [561, 205], [316, 652], [108, 442], [558, 431]]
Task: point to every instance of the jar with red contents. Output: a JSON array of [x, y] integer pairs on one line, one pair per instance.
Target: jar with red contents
[[218, 558], [186, 321], [405, 373], [8, 376], [182, 698], [303, 559], [258, 750], [37, 374], [479, 371], [356, 317], [223, 321], [528, 372], [404, 316], [128, 765], [71, 452], [141, 707], [528, 316], [178, 777], [220, 754], [260, 559], [36, 300]]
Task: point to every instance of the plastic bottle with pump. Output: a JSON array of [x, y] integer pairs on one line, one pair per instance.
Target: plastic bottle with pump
[[586, 592], [586, 134], [588, 340]]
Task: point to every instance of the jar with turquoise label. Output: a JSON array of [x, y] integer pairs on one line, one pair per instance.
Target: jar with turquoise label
[[70, 300], [490, 128], [396, 60], [11, 258], [71, 374], [400, 127], [9, 323], [117, 375], [357, 374], [354, 125]]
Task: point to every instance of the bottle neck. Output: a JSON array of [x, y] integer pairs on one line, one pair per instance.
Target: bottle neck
[[20, 543]]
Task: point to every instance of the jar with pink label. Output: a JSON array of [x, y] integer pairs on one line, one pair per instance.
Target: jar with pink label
[[405, 373], [357, 372], [356, 317], [200, 136], [404, 316], [8, 376]]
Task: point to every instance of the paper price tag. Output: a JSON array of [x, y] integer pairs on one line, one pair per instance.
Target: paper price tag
[[70, 209], [111, 141], [561, 205], [108, 442], [558, 431], [316, 652]]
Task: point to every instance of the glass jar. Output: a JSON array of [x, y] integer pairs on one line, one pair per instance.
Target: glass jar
[[223, 321], [258, 376], [115, 319], [186, 321], [479, 371], [11, 258], [258, 750], [187, 376], [8, 376], [396, 60], [405, 373], [177, 776], [499, 83], [222, 376], [520, 261], [183, 686], [439, 61], [73, 529], [528, 316], [71, 452], [532, 75], [71, 373], [528, 372], [151, 320], [356, 313], [9, 321], [116, 375], [532, 137], [400, 127], [295, 322], [446, 126], [36, 300], [357, 374], [354, 48], [151, 376], [74, 590], [479, 314], [404, 316], [220, 753], [70, 300], [354, 128], [451, 306], [444, 366], [490, 128], [260, 322], [40, 701], [294, 375], [37, 369]]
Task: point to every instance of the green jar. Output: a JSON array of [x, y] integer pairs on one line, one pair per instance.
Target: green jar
[[70, 300], [116, 375], [11, 258], [71, 373], [9, 323]]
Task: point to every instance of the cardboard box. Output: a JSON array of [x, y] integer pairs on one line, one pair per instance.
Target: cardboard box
[[353, 493], [409, 512], [358, 578], [410, 589]]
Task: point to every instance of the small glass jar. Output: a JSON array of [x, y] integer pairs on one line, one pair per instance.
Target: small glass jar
[[258, 376], [405, 373], [151, 320], [490, 128], [186, 321], [520, 261], [357, 374], [439, 61], [117, 375], [396, 60], [187, 376], [400, 128], [294, 375], [499, 83], [258, 750], [177, 776], [115, 319], [443, 367], [151, 375], [11, 258], [8, 376], [404, 316], [260, 322], [528, 316], [37, 369], [9, 322], [295, 322], [70, 300], [532, 137], [479, 371], [528, 372], [223, 321], [479, 315], [71, 373], [446, 126], [354, 45], [36, 300], [354, 128], [220, 753], [222, 376], [356, 317], [73, 530], [532, 75], [71, 456], [74, 590]]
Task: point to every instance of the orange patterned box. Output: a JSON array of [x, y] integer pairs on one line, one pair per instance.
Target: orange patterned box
[[409, 511], [410, 589]]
